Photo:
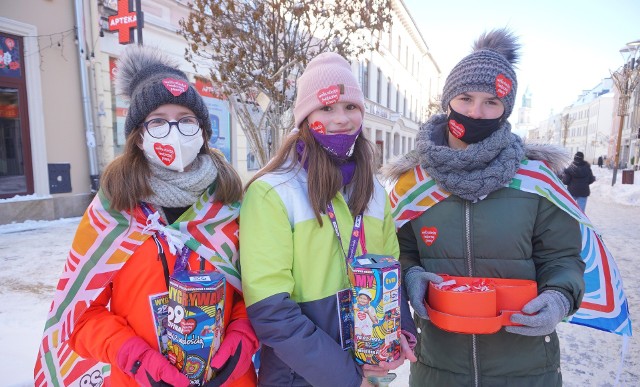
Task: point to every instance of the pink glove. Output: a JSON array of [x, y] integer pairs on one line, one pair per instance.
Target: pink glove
[[147, 366], [233, 358]]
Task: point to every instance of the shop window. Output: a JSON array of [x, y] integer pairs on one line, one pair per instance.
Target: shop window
[[16, 175]]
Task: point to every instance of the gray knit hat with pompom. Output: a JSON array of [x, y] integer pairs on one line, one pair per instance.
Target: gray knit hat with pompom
[[489, 68], [150, 79]]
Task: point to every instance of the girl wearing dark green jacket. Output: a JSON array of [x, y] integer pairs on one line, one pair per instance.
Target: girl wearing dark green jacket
[[485, 229]]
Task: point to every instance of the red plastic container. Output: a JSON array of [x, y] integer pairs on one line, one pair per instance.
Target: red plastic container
[[478, 312]]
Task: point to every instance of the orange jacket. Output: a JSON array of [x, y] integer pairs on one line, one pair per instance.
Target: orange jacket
[[123, 310]]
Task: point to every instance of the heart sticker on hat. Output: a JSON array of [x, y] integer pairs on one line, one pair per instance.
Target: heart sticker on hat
[[165, 153], [175, 86], [330, 95], [318, 127], [503, 85], [456, 128], [429, 235]]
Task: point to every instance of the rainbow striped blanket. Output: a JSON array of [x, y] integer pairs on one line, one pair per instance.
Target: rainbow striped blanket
[[104, 241], [604, 305]]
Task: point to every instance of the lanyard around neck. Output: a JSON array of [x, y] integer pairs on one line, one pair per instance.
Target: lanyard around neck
[[182, 257], [357, 235]]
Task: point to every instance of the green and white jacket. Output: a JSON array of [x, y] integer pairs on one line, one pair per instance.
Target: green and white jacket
[[292, 269]]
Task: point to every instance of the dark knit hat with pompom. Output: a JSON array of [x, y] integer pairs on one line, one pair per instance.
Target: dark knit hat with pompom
[[489, 68], [150, 79]]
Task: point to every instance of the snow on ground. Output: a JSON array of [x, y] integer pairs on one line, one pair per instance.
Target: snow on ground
[[32, 255]]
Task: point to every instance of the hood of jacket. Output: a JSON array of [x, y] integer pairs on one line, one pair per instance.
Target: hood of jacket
[[555, 156]]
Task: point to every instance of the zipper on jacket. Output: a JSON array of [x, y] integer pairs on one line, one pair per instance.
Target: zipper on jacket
[[468, 253], [467, 236]]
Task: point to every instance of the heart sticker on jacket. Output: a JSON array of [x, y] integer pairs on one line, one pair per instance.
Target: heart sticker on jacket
[[165, 153], [456, 128], [429, 235], [503, 85]]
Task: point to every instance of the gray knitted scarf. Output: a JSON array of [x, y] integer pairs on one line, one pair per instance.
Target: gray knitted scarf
[[180, 189], [474, 172]]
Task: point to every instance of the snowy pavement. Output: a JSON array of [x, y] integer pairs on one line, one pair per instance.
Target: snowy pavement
[[32, 255]]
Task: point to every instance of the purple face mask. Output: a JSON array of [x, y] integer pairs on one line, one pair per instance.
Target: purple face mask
[[338, 146], [339, 149]]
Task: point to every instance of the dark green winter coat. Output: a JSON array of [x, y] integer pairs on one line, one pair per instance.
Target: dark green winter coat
[[508, 234]]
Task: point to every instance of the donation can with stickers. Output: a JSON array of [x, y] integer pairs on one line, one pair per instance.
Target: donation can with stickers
[[375, 308], [195, 322]]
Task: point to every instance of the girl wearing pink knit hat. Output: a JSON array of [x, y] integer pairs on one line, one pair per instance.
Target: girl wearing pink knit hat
[[303, 216]]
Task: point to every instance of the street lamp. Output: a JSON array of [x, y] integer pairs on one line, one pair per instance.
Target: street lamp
[[626, 79]]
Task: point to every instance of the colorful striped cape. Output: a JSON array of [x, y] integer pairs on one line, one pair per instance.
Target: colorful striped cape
[[104, 241], [604, 305]]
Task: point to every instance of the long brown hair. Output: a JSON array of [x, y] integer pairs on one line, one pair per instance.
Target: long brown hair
[[324, 176], [125, 181]]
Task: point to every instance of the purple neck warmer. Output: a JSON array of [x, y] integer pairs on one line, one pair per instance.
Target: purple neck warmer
[[347, 167]]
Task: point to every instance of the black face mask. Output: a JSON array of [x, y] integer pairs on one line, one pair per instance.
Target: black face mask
[[471, 130]]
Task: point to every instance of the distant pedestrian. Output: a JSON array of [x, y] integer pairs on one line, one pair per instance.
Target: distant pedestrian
[[600, 161], [578, 177]]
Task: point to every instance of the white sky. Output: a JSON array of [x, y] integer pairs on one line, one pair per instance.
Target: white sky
[[32, 256], [567, 45]]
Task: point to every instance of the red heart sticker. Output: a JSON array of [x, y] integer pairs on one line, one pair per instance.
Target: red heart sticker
[[429, 235], [329, 96], [318, 127], [187, 325], [456, 128], [175, 86], [503, 85], [166, 153], [361, 316]]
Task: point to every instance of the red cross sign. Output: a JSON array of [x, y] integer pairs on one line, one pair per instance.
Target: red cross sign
[[124, 21]]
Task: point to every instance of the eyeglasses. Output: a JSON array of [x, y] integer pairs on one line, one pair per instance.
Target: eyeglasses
[[160, 128]]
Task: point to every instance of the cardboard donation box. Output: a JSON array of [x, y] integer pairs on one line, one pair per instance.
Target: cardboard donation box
[[475, 305], [195, 322], [375, 308]]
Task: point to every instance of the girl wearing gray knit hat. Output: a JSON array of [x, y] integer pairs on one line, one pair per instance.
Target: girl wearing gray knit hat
[[462, 209], [168, 204]]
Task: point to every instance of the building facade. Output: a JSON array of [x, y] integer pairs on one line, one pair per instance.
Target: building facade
[[589, 122], [630, 133], [44, 156], [583, 126], [524, 124], [62, 118]]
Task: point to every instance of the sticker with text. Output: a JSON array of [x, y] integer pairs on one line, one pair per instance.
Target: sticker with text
[[175, 86], [456, 128], [429, 235], [318, 127], [165, 153], [503, 86], [330, 95]]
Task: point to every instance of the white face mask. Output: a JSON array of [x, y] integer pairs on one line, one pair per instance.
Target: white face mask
[[174, 152]]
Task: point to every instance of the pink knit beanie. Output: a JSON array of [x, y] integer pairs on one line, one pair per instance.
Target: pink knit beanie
[[326, 80]]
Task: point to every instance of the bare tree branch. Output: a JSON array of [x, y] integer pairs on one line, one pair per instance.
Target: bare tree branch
[[257, 49], [566, 121]]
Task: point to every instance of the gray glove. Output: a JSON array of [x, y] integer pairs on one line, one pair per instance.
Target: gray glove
[[416, 280], [551, 305]]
